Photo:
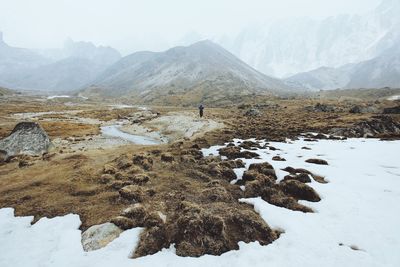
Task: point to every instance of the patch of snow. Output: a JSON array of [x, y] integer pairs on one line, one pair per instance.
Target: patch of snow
[[57, 242], [394, 97], [120, 106], [58, 96]]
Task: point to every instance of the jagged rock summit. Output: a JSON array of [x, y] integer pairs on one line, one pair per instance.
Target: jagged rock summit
[[27, 138]]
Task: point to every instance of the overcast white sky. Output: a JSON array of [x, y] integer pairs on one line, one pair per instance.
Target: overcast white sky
[[131, 25]]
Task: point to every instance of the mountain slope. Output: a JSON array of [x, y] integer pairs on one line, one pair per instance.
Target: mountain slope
[[5, 91], [286, 47], [201, 67], [323, 78], [382, 71], [17, 61], [379, 72], [70, 68]]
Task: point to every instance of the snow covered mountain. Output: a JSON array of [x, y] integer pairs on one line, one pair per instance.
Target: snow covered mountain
[[203, 66], [65, 69], [381, 71], [286, 47]]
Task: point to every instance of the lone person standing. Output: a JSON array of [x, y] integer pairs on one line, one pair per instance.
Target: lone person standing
[[201, 108]]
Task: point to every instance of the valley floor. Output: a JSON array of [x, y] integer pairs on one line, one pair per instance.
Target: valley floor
[[106, 154]]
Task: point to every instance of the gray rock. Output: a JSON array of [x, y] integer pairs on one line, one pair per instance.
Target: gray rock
[[27, 138], [98, 236], [253, 112], [321, 108], [362, 109]]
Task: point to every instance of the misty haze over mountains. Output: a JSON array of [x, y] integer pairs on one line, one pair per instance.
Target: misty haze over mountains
[[347, 51], [70, 68]]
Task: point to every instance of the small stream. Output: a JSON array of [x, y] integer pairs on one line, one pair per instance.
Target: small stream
[[114, 131]]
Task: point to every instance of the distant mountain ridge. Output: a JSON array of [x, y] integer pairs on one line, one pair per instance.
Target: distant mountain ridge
[[379, 72], [70, 68], [286, 47], [203, 67]]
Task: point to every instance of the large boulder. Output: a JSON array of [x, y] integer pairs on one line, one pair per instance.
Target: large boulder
[[98, 236], [27, 138]]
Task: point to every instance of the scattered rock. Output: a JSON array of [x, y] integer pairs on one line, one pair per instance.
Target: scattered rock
[[317, 161], [98, 236], [362, 109], [377, 126], [253, 112], [321, 108], [27, 138]]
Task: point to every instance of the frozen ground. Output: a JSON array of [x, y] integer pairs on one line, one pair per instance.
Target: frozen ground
[[173, 126], [114, 131], [355, 224]]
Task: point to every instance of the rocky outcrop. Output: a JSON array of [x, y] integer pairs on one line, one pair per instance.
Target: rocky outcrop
[[361, 109], [321, 108], [27, 138], [377, 126]]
